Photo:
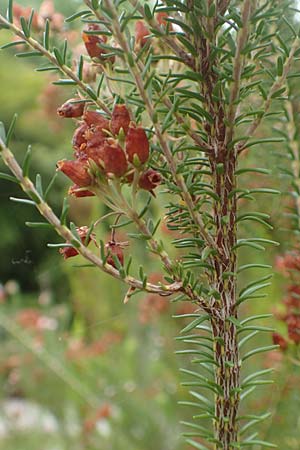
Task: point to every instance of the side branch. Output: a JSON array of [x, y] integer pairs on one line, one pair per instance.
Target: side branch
[[165, 148], [237, 71], [63, 68], [278, 84]]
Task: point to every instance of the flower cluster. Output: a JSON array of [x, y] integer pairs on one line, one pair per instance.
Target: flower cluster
[[106, 148]]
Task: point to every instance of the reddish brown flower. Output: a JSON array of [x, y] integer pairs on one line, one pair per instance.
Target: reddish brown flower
[[114, 249], [95, 118], [71, 108], [278, 339], [77, 191], [76, 170], [149, 180], [69, 252], [95, 136], [137, 144], [120, 119], [161, 19], [293, 323], [114, 159], [79, 138], [93, 43], [141, 33]]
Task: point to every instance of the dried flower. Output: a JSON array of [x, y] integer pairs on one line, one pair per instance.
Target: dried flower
[[93, 43], [149, 180], [71, 108], [69, 252], [76, 170], [137, 144], [114, 249], [120, 119]]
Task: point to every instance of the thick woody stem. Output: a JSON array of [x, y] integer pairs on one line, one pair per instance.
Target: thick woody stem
[[227, 373]]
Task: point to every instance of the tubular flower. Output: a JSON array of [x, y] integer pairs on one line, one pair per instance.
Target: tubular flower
[[120, 119], [76, 170], [149, 180], [114, 249], [141, 33], [137, 144], [114, 159], [93, 43], [94, 118], [68, 252], [77, 191], [71, 108]]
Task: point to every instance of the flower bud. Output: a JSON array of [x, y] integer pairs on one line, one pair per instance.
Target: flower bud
[[76, 170], [278, 339], [71, 108], [137, 144], [77, 191], [114, 248], [69, 252], [141, 33], [149, 180], [120, 119]]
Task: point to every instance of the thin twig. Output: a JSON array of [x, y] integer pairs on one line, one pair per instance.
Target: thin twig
[[237, 71], [46, 211], [278, 84]]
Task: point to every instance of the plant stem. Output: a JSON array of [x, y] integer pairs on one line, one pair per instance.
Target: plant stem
[[45, 210], [63, 68]]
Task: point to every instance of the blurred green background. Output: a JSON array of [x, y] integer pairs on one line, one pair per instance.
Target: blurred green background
[[78, 368]]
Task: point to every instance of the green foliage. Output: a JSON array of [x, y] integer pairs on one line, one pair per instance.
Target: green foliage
[[204, 106]]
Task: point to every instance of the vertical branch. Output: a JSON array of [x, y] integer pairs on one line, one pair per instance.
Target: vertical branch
[[237, 70]]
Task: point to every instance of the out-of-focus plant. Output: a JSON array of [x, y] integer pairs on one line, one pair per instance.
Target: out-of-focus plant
[[170, 94], [289, 263]]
